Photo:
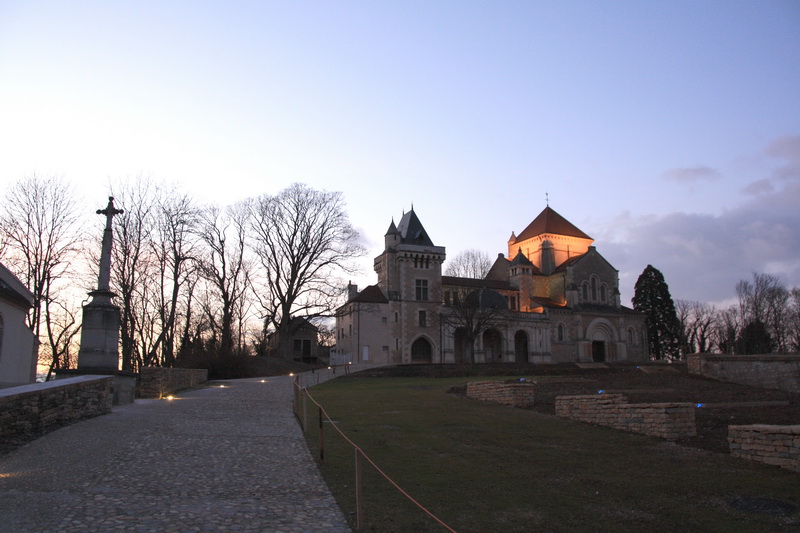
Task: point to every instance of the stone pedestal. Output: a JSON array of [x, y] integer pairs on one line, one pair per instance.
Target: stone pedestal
[[99, 353], [100, 334]]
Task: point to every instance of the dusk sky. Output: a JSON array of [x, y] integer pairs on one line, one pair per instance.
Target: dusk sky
[[669, 131]]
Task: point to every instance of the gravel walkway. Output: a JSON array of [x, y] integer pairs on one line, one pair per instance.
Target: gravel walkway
[[229, 458]]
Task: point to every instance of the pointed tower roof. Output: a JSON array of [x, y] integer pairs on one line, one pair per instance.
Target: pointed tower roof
[[392, 229], [520, 259], [411, 230], [549, 221]]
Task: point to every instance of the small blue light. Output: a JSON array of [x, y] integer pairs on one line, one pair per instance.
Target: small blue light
[[601, 391], [699, 405]]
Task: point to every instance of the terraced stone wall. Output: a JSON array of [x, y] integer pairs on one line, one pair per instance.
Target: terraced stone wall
[[157, 382], [772, 371], [774, 445], [665, 420], [514, 394], [38, 407]]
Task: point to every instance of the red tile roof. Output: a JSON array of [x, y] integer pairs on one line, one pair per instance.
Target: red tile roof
[[549, 221]]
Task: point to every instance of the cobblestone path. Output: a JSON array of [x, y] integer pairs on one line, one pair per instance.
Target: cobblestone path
[[228, 458]]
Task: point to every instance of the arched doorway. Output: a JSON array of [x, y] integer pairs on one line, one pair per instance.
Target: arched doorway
[[492, 345], [462, 353], [601, 334], [521, 347], [421, 351]]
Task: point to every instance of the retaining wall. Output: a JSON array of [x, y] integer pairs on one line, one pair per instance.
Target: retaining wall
[[665, 420], [157, 382], [772, 371], [38, 407], [514, 394], [774, 445]]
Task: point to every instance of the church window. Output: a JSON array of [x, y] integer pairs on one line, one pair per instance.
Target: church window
[[585, 291], [423, 319], [561, 333], [603, 293], [594, 289], [422, 290], [396, 318]]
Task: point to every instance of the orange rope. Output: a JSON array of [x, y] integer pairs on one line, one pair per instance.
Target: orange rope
[[381, 472]]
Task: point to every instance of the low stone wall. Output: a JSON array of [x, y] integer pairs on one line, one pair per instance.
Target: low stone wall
[[514, 394], [772, 371], [38, 407], [665, 420], [157, 382], [774, 445]]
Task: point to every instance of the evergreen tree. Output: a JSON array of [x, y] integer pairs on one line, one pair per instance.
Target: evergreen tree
[[651, 297]]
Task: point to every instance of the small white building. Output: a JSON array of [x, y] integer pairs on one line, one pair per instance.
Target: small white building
[[19, 348]]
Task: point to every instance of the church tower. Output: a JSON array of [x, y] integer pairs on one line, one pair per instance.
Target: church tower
[[410, 275]]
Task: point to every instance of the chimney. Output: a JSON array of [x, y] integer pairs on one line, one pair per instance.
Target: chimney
[[352, 291]]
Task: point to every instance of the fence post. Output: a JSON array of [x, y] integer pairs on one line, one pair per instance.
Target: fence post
[[321, 439], [305, 410], [359, 495]]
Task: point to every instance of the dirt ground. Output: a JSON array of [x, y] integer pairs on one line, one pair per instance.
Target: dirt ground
[[723, 404]]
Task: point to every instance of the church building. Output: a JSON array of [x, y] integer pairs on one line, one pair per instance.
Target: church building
[[553, 298]]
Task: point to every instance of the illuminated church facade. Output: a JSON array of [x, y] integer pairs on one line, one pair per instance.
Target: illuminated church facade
[[552, 298]]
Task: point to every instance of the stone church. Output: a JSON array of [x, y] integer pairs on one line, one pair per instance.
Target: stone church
[[553, 298]]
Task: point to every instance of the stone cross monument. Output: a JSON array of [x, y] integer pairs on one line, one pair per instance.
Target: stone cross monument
[[100, 330]]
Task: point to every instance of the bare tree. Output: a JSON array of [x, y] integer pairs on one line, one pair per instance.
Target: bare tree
[[469, 264], [42, 235], [763, 308], [303, 239], [793, 321], [173, 249], [133, 267], [224, 265], [469, 311]]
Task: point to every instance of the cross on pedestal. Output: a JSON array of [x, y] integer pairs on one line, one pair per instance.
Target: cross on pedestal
[[104, 278]]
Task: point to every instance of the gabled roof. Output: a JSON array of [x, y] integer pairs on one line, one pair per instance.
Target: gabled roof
[[411, 230], [372, 294], [591, 252], [549, 221], [499, 270]]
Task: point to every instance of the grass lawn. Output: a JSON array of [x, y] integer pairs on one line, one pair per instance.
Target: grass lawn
[[483, 467]]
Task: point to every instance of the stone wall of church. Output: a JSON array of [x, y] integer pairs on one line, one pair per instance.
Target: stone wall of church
[[771, 371]]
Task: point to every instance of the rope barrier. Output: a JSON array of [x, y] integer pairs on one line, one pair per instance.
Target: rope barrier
[[359, 451]]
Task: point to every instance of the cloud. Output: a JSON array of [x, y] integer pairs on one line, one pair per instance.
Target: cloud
[[703, 256], [692, 174], [755, 188], [786, 150]]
